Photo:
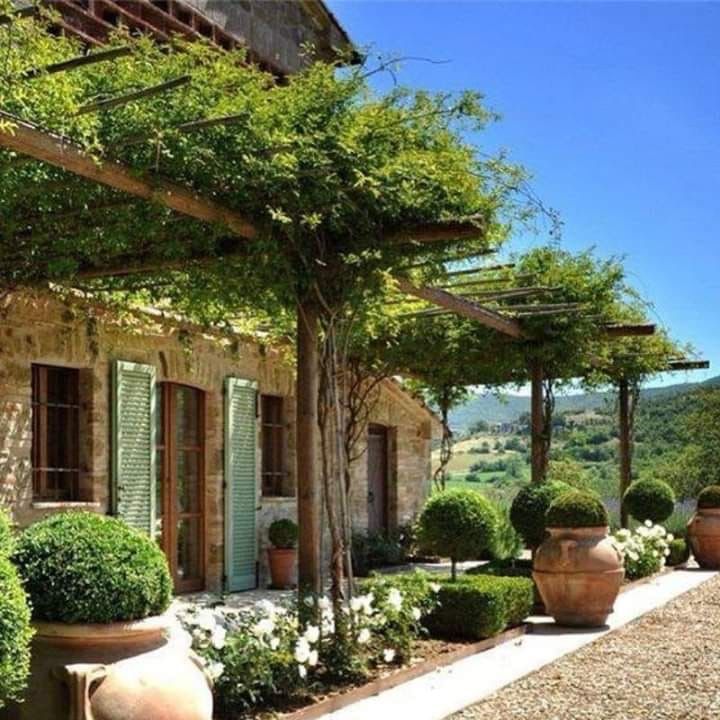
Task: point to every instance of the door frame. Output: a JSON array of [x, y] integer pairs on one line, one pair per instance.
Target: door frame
[[171, 516], [386, 433]]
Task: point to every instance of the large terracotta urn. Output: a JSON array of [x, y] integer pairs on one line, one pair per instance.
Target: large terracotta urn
[[704, 536], [578, 572], [139, 670]]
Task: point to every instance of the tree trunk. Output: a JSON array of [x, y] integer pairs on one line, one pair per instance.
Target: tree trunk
[[537, 423], [625, 450], [308, 441]]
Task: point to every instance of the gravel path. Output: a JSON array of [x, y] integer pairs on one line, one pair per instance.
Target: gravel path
[[664, 666]]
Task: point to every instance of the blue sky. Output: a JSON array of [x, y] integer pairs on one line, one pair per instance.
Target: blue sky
[[614, 107]]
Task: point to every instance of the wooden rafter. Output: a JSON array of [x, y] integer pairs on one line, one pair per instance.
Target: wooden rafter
[[112, 102], [634, 330], [443, 231], [688, 365], [76, 62], [463, 307], [27, 139]]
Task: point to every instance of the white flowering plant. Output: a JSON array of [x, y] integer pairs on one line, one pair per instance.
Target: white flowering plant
[[264, 656], [644, 549]]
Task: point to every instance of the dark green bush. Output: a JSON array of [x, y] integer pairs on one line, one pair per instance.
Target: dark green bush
[[576, 509], [528, 509], [679, 552], [460, 524], [477, 607], [85, 568], [372, 550], [649, 499], [15, 634], [283, 534], [709, 497]]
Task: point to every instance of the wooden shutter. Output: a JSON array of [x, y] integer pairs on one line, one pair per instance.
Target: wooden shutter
[[133, 446], [240, 483]]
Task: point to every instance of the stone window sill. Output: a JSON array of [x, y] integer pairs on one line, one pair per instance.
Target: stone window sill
[[71, 505], [276, 499]]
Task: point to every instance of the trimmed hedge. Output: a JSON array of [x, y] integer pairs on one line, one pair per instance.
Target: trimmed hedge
[[80, 567], [478, 607], [528, 509], [709, 498], [283, 534], [649, 499], [15, 634], [460, 524], [576, 509], [679, 552]]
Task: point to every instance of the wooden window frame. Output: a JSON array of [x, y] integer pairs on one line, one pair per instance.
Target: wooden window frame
[[40, 446], [168, 448], [275, 432]]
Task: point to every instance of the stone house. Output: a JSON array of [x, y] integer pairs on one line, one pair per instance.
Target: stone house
[[186, 433]]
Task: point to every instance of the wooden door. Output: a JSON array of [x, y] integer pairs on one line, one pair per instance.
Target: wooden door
[[377, 477], [181, 483]]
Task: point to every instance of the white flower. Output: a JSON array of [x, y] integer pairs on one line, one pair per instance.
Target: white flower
[[302, 650], [324, 603], [215, 670], [435, 587], [388, 655], [313, 658], [302, 672], [648, 523], [218, 637], [205, 619], [364, 636], [312, 633], [266, 626], [274, 643], [670, 537], [309, 601], [416, 614], [395, 599]]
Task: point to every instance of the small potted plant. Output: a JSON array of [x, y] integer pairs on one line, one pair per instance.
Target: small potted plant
[[103, 645], [704, 529], [577, 568], [282, 556]]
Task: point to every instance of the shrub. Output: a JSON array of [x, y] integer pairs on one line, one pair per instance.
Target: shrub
[[86, 568], [371, 550], [576, 509], [679, 552], [459, 524], [644, 550], [477, 607], [528, 509], [7, 541], [15, 634], [649, 499], [709, 497], [283, 534], [508, 543]]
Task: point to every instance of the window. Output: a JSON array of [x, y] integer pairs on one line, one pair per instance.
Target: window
[[273, 442], [56, 434]]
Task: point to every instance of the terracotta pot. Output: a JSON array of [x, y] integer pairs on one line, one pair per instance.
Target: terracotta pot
[[120, 671], [704, 536], [578, 572], [282, 567]]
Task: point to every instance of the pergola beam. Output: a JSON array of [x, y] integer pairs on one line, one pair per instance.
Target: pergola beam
[[635, 330], [463, 307], [76, 62], [688, 365], [26, 139], [443, 231]]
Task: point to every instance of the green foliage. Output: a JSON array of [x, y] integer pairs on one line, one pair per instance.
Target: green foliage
[[371, 550], [477, 607], [508, 542], [649, 499], [459, 524], [644, 549], [530, 506], [85, 568], [709, 497], [283, 533], [576, 509], [15, 634], [679, 552], [7, 539]]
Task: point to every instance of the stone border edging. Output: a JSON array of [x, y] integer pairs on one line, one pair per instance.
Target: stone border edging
[[375, 687]]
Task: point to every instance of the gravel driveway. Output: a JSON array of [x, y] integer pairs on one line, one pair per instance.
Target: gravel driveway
[[664, 666]]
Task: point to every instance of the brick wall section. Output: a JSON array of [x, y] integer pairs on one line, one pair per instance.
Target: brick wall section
[[38, 328]]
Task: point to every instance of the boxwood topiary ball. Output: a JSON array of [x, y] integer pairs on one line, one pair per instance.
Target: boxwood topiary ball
[[649, 499], [576, 510], [80, 567], [283, 534], [709, 498], [459, 524], [528, 509]]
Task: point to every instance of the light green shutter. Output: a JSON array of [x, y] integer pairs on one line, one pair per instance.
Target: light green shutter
[[240, 483], [133, 444]]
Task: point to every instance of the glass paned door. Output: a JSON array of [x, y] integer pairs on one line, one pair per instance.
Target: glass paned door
[[180, 483]]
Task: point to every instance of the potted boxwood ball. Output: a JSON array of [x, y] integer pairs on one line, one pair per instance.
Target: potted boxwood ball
[[103, 647], [649, 499], [282, 556], [704, 529], [577, 568]]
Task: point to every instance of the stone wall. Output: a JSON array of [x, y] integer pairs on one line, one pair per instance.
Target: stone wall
[[42, 328]]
